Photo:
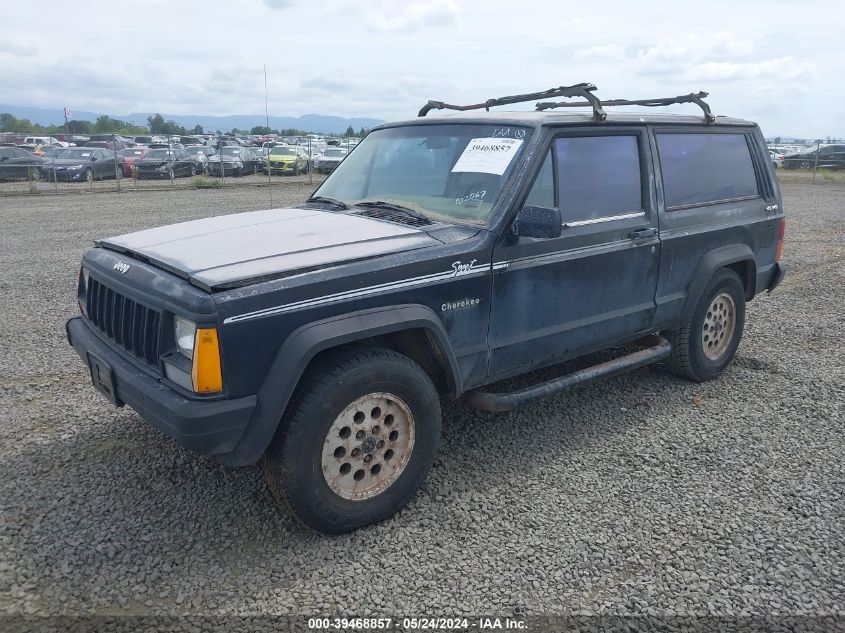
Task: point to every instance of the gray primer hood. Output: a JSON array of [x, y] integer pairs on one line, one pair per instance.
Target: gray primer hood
[[233, 250]]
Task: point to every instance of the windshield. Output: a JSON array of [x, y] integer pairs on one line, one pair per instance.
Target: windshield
[[52, 152], [159, 154], [282, 151], [231, 151], [78, 153], [196, 151], [446, 172], [334, 153], [131, 152]]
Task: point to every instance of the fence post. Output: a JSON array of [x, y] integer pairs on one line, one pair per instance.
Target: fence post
[[117, 167], [55, 179], [220, 156], [816, 161]]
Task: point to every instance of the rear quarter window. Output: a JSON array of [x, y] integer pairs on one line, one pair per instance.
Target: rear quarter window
[[701, 168]]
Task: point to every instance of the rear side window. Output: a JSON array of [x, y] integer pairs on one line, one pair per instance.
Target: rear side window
[[702, 168], [598, 177]]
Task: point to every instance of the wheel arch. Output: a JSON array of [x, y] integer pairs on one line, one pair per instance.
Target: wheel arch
[[737, 257], [411, 329]]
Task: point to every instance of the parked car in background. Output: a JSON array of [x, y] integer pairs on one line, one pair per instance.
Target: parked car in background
[[165, 163], [165, 145], [143, 140], [821, 157], [286, 159], [17, 163], [328, 161], [52, 151], [114, 146], [128, 156], [201, 154], [44, 140], [235, 161], [777, 158], [82, 164]]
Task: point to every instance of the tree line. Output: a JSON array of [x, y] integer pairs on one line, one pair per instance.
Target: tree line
[[156, 124]]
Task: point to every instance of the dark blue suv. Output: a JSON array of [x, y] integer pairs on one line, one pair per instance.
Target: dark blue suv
[[444, 254]]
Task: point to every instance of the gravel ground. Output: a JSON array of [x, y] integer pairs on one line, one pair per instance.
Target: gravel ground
[[644, 494]]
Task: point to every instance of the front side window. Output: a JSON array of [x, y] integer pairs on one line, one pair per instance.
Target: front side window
[[542, 192], [705, 167], [447, 172], [598, 177]]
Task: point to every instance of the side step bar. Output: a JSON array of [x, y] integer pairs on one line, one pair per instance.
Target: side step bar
[[658, 348]]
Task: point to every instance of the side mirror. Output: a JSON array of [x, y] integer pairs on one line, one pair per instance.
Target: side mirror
[[93, 158], [539, 222]]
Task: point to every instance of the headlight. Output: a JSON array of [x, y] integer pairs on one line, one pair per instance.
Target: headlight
[[75, 167], [201, 373], [186, 334]]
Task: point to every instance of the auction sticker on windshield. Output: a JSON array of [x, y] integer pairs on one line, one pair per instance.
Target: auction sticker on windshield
[[488, 155]]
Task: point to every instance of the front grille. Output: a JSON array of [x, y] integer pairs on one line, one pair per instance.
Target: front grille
[[133, 326]]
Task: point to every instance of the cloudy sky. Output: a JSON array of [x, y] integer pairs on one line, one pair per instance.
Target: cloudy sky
[[779, 62]]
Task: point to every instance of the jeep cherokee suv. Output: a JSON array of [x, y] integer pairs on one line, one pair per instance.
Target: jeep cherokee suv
[[444, 254]]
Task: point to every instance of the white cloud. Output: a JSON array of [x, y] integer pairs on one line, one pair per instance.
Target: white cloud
[[417, 16], [782, 69], [17, 50], [279, 4]]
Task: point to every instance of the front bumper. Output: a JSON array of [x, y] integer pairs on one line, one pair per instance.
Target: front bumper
[[209, 427]]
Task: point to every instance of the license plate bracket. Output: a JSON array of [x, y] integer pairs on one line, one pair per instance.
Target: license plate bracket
[[102, 377]]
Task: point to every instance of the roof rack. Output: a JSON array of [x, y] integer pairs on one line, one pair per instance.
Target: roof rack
[[578, 90], [583, 90], [694, 97]]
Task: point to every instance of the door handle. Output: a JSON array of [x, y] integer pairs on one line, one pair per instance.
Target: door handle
[[643, 234]]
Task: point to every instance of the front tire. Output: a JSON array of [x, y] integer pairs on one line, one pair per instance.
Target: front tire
[[357, 442], [704, 345]]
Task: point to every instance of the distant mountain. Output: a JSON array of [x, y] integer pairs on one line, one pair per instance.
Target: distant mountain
[[312, 122]]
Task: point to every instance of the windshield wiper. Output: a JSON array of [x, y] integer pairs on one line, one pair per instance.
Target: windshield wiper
[[340, 204], [398, 208]]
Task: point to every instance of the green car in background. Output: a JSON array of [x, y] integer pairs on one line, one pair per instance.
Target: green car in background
[[286, 159]]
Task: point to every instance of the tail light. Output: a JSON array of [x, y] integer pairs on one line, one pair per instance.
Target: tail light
[[781, 233]]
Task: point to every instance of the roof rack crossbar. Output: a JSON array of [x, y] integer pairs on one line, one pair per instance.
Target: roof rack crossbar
[[584, 90], [696, 98]]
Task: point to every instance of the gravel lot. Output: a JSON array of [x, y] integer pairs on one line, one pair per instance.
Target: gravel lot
[[643, 494]]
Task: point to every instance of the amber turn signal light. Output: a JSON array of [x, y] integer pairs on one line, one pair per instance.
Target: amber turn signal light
[[206, 374]]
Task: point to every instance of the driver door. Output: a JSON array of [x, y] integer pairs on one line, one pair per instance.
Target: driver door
[[594, 285]]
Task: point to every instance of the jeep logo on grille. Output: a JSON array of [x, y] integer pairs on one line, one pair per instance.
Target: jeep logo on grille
[[121, 267]]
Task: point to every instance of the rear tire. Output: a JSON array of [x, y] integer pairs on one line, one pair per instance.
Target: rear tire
[[357, 441], [704, 345]]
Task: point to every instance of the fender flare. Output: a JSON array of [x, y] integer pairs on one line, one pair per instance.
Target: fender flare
[[713, 260], [304, 343]]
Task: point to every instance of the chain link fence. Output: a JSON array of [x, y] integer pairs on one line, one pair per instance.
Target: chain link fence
[[825, 160], [111, 162]]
